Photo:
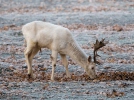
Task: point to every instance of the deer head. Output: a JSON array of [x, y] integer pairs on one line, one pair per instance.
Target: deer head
[[90, 69]]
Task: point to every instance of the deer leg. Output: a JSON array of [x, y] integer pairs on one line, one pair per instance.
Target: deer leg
[[65, 63], [54, 59], [27, 53], [34, 52]]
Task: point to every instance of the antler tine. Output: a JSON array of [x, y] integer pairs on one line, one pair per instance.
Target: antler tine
[[97, 41], [97, 46], [103, 40]]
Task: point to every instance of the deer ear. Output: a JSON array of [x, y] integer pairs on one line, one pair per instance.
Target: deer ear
[[89, 59]]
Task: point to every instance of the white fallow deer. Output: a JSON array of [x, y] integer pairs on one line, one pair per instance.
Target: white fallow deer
[[58, 39]]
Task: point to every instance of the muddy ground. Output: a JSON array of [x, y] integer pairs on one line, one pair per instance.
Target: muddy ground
[[88, 20]]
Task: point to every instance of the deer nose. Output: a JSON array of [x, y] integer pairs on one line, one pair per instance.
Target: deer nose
[[95, 76]]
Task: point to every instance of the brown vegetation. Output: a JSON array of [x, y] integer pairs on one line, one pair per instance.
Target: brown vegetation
[[13, 75]]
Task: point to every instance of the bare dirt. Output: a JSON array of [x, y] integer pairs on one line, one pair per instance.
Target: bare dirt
[[88, 20]]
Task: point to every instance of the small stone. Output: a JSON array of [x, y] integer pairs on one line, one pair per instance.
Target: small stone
[[95, 80], [117, 28], [24, 66]]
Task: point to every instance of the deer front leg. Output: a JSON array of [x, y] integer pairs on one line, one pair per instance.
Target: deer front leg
[[65, 63], [54, 59]]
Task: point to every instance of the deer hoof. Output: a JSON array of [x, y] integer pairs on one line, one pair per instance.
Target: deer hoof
[[52, 80], [68, 76], [30, 76]]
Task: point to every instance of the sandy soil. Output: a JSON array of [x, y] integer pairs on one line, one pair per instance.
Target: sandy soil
[[88, 20]]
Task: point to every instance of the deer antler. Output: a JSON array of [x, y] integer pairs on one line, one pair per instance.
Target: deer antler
[[97, 46]]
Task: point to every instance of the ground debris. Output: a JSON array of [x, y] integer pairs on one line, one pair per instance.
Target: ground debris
[[21, 75], [123, 85], [114, 94], [46, 86], [117, 28], [118, 75]]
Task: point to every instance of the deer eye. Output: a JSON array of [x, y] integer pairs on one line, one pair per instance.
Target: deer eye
[[92, 68]]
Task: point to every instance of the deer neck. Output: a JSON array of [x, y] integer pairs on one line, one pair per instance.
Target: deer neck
[[77, 54]]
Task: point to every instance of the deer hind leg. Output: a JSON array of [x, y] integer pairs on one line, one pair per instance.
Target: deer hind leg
[[29, 52], [54, 59], [65, 63], [33, 53]]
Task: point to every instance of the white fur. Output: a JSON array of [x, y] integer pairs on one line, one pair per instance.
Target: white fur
[[58, 39]]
